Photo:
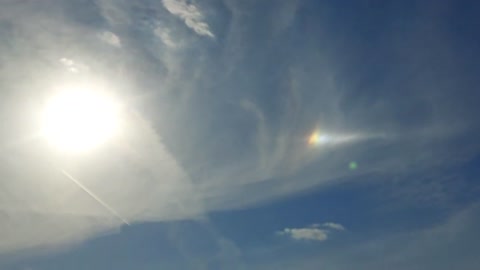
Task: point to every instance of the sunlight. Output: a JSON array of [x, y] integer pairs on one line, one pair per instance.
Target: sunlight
[[80, 119], [316, 138]]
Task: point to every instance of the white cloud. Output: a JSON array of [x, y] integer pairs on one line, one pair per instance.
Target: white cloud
[[334, 226], [73, 66], [190, 14], [314, 234], [142, 184], [421, 248], [110, 38], [164, 34], [147, 183], [140, 178], [114, 11]]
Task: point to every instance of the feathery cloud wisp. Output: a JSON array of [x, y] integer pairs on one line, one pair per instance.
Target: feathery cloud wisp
[[334, 226], [190, 14], [165, 36], [314, 232], [110, 38]]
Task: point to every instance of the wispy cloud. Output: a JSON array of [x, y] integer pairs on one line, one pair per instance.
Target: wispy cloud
[[63, 214], [305, 234], [73, 66], [165, 36], [110, 38], [314, 232], [190, 14], [240, 131], [421, 248], [334, 226]]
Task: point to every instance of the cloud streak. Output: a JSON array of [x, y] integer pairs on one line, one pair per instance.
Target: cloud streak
[[110, 38], [190, 14], [305, 234], [165, 36], [315, 232], [421, 248], [334, 226], [214, 129]]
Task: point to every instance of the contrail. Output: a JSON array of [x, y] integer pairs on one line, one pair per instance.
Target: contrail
[[95, 197]]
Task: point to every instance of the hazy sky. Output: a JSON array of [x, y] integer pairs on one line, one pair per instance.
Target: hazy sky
[[257, 134]]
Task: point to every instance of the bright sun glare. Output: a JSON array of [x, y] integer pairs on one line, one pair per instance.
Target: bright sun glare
[[316, 138], [79, 120]]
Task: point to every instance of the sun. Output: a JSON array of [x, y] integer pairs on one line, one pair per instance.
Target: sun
[[78, 120]]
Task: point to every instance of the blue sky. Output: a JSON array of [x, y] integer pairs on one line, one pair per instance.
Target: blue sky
[[241, 122]]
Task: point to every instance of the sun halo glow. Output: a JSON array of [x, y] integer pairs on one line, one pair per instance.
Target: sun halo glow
[[78, 120]]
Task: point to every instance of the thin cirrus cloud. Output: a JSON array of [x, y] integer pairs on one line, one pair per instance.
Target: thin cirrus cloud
[[334, 226], [314, 232], [110, 38], [212, 137], [190, 14], [165, 36], [305, 234], [427, 247]]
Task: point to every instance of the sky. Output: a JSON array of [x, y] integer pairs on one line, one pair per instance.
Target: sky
[[296, 134]]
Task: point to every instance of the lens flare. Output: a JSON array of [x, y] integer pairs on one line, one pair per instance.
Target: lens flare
[[314, 138], [317, 139], [353, 165]]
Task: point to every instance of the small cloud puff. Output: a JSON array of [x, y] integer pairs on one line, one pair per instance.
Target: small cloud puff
[[305, 234], [314, 232], [164, 34], [73, 66], [190, 14], [110, 38]]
